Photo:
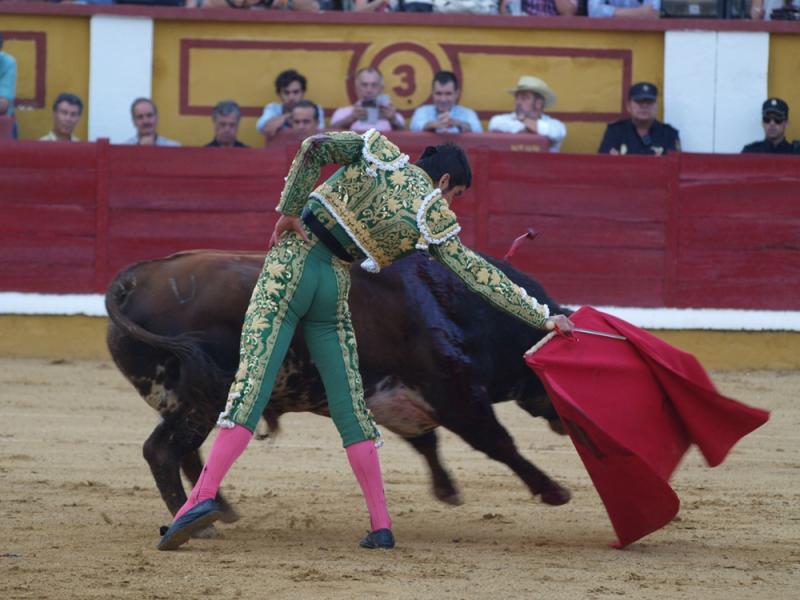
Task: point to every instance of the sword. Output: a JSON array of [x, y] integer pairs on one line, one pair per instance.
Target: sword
[[613, 336]]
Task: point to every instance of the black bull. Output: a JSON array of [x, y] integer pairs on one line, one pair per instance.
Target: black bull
[[431, 353]]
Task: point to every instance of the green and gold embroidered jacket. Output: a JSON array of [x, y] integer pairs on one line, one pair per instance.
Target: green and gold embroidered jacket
[[389, 208]]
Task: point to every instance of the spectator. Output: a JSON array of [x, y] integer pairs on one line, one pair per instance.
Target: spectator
[[67, 111], [366, 6], [8, 85], [531, 97], [226, 116], [445, 115], [632, 9], [541, 8], [372, 110], [417, 6], [481, 7], [774, 120], [304, 117], [291, 88], [300, 5], [763, 9], [145, 120], [642, 133]]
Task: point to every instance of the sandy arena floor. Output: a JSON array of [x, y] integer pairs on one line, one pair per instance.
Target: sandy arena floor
[[79, 511]]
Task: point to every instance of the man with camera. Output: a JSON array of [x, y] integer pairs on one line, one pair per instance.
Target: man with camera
[[372, 110]]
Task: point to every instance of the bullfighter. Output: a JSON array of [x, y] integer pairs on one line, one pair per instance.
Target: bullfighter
[[376, 208]]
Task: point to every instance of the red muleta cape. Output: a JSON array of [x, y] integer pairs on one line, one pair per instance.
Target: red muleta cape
[[632, 408]]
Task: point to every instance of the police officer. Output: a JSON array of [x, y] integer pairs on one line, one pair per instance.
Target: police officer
[[642, 133], [774, 120]]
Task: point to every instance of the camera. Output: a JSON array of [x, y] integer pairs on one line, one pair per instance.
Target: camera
[[372, 111]]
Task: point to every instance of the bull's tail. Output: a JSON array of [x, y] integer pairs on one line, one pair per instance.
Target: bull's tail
[[200, 377]]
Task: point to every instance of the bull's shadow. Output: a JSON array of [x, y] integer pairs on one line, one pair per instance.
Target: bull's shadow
[[431, 353]]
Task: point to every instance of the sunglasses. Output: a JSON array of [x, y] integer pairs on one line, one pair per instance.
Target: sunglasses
[[776, 120]]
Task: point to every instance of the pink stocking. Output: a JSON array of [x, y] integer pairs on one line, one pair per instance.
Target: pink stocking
[[363, 457], [228, 446]]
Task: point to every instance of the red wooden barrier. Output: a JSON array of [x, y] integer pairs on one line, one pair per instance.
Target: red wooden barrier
[[683, 230], [6, 127]]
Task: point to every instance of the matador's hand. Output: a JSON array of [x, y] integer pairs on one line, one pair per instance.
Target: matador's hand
[[284, 224], [560, 323]]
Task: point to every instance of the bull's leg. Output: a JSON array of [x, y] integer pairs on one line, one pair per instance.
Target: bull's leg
[[483, 431], [443, 487], [164, 451], [192, 466]]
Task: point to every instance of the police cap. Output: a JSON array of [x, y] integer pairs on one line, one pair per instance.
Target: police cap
[[644, 90], [775, 106]]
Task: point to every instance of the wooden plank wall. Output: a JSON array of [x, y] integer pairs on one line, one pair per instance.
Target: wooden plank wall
[[47, 217], [739, 228], [681, 231]]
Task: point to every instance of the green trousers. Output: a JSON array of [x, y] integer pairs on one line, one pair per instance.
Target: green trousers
[[301, 284]]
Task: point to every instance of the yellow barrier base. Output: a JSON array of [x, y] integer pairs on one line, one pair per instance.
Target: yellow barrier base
[[61, 337], [54, 337]]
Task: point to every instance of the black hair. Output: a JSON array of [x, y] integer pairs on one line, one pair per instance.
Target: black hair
[[446, 158], [1, 40], [445, 77], [69, 99], [305, 103], [283, 80]]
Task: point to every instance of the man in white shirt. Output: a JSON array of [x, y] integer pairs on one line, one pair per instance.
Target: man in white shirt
[[445, 115], [291, 89], [145, 119], [372, 110], [67, 111], [532, 96]]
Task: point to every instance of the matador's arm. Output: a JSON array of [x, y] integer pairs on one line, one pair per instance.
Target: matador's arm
[[490, 282], [337, 147]]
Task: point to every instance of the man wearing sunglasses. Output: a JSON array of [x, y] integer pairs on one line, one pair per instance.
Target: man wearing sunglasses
[[642, 133], [775, 119]]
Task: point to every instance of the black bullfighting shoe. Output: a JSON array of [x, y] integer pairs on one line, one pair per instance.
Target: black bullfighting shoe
[[194, 519], [380, 538]]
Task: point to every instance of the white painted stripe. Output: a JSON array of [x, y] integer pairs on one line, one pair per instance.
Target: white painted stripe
[[714, 84], [120, 70], [721, 319], [690, 59], [19, 303], [741, 88]]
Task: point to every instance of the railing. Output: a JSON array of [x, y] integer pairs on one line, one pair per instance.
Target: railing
[[678, 231]]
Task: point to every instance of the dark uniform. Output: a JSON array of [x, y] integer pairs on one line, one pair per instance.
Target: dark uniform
[[773, 111], [622, 136], [215, 144], [765, 147]]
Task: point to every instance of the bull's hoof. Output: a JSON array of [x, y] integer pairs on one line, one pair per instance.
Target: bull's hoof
[[556, 496], [448, 495], [453, 499], [207, 533], [230, 515]]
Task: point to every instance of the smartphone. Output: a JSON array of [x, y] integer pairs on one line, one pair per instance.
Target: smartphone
[[372, 111]]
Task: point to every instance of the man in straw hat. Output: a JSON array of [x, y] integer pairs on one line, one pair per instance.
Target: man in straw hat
[[531, 97]]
